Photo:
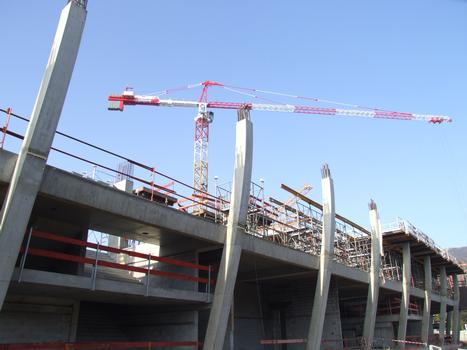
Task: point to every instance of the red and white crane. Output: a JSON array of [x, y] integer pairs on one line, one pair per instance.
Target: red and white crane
[[205, 116]]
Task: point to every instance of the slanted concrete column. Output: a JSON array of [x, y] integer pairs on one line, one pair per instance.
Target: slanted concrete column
[[327, 251], [427, 301], [35, 149], [404, 310], [373, 288], [442, 311], [226, 278], [455, 312]]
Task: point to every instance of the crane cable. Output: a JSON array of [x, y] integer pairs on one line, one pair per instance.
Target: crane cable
[[251, 92]]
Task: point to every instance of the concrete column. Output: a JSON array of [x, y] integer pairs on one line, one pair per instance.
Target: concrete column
[[373, 288], [426, 317], [442, 311], [226, 278], [430, 327], [74, 322], [449, 323], [455, 312], [327, 252], [404, 310], [35, 149]]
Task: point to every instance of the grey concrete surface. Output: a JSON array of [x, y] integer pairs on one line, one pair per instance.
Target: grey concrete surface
[[443, 307], [405, 299], [35, 148], [456, 313], [427, 299], [320, 300], [373, 288], [112, 290], [239, 201]]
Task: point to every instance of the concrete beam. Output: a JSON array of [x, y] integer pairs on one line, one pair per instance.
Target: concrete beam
[[31, 162], [426, 300], [107, 289], [320, 301], [404, 308], [373, 288], [227, 276], [108, 204], [443, 307]]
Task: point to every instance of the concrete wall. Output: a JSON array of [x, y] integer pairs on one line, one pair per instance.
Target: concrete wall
[[100, 322], [36, 320], [287, 310], [384, 332], [248, 328], [113, 322], [143, 323]]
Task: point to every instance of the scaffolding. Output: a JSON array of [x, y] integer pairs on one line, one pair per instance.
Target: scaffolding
[[297, 223], [408, 228]]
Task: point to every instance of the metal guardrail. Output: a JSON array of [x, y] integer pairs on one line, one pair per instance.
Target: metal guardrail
[[147, 269], [410, 229]]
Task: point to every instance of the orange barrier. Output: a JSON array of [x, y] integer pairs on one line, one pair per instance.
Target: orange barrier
[[282, 341], [91, 261]]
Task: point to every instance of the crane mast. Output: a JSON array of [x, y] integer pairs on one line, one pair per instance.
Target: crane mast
[[201, 141]]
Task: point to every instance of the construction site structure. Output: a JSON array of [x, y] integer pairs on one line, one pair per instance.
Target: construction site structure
[[205, 117], [258, 273]]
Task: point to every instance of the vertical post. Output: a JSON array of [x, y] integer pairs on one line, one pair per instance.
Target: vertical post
[[455, 312], [148, 274], [373, 288], [427, 301], [327, 251], [30, 165], [442, 311], [430, 328], [25, 254], [209, 280], [227, 275], [404, 308], [94, 270], [449, 323], [5, 128], [74, 322]]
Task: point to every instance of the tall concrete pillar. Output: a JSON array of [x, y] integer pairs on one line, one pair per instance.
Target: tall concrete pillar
[[455, 312], [35, 149], [327, 251], [226, 278], [373, 288], [427, 301], [442, 311], [404, 309]]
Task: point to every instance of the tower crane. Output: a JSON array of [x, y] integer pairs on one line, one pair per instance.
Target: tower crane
[[205, 116]]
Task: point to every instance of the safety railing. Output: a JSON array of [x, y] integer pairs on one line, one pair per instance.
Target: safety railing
[[150, 183], [410, 229], [298, 226], [149, 265]]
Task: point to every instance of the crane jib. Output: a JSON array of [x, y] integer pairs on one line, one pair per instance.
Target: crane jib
[[118, 103]]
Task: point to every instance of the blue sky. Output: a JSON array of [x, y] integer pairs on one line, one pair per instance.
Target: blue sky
[[397, 55]]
